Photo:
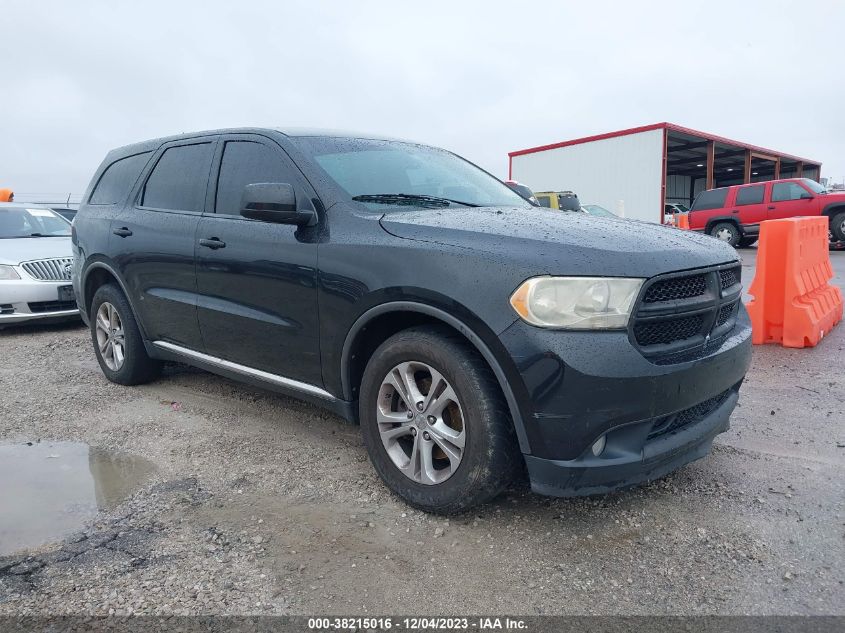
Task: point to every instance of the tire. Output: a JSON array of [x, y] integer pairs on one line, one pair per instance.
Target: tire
[[745, 242], [726, 232], [837, 227], [489, 459], [113, 328]]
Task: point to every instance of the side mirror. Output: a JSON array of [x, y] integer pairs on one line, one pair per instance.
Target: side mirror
[[274, 202], [806, 196]]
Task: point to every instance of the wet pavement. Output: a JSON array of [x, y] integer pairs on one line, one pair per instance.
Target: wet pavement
[[52, 489], [265, 505]]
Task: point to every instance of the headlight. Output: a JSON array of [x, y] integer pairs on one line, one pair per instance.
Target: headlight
[[7, 273], [577, 303]]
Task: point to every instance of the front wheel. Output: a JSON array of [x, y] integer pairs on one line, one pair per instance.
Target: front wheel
[[726, 232], [435, 423], [837, 227], [745, 242]]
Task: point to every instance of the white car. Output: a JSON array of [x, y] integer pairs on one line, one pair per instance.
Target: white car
[[36, 262]]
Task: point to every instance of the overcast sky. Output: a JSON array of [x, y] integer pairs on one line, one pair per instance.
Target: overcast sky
[[479, 78]]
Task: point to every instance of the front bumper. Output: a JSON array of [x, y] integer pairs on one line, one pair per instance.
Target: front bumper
[[24, 300], [576, 387]]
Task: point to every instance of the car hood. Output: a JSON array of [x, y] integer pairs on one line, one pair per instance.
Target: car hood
[[563, 243], [15, 251]]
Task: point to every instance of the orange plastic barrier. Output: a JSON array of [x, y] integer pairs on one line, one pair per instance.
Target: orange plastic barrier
[[682, 221], [793, 302]]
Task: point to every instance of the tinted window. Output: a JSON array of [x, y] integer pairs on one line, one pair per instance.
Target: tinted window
[[245, 163], [712, 199], [568, 203], [118, 178], [179, 179], [750, 195], [787, 191], [545, 201]]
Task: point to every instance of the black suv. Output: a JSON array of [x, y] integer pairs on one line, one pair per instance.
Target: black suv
[[471, 335]]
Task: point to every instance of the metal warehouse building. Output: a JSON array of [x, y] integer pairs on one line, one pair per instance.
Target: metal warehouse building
[[634, 172]]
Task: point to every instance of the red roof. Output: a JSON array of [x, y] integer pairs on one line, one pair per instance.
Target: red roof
[[661, 126]]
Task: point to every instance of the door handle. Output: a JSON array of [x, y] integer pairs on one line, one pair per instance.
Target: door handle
[[770, 207], [122, 232], [213, 243], [735, 211]]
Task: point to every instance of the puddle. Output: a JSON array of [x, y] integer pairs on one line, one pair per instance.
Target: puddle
[[51, 489]]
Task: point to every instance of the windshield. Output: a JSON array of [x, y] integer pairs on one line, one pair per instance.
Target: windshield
[[599, 211], [378, 170], [20, 222], [813, 186]]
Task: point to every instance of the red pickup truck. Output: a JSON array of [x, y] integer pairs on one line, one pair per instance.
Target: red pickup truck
[[733, 214]]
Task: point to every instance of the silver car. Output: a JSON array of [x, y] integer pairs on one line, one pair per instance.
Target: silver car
[[36, 262]]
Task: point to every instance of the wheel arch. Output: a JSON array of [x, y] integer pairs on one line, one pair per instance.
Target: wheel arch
[[390, 318], [833, 209], [711, 222], [97, 274]]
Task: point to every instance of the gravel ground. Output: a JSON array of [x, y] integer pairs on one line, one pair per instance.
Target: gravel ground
[[264, 505]]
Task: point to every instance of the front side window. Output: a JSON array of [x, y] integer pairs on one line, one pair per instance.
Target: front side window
[[246, 163], [545, 201], [368, 167], [179, 179], [813, 186], [16, 222], [117, 180], [711, 199], [750, 195], [783, 191]]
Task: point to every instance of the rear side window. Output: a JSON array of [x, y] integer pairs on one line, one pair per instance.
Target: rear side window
[[246, 163], [179, 179], [117, 180], [782, 191], [750, 195], [712, 199]]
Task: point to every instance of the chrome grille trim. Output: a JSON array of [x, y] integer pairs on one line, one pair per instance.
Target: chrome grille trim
[[53, 269]]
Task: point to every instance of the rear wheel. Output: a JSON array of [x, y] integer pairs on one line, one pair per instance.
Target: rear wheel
[[745, 242], [117, 339], [837, 227], [726, 232], [435, 423]]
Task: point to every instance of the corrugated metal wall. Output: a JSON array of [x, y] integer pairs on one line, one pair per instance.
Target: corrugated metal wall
[[620, 173], [678, 189]]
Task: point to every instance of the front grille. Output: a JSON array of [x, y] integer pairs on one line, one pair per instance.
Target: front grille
[[669, 331], [680, 314], [55, 269], [676, 288], [730, 277], [51, 306], [725, 313], [676, 421]]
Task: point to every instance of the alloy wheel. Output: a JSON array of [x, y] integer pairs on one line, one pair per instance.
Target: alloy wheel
[[111, 340], [421, 423]]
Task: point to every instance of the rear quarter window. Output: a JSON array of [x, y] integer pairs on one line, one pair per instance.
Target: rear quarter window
[[118, 178], [712, 199]]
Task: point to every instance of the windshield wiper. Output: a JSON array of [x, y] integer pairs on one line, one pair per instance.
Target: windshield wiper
[[409, 199]]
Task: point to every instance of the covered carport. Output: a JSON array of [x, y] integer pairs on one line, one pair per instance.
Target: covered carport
[[695, 161]]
